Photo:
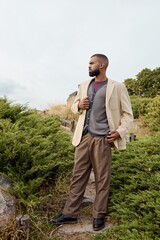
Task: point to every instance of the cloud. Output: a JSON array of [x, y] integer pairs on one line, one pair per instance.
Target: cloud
[[10, 87]]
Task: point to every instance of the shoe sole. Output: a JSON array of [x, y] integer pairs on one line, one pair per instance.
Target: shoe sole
[[101, 227]]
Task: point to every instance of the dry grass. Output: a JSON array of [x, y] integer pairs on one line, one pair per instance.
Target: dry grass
[[57, 110], [62, 111], [138, 129]]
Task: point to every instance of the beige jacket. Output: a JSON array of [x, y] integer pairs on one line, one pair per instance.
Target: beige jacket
[[118, 109]]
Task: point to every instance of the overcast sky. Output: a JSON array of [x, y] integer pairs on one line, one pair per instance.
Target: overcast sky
[[45, 45]]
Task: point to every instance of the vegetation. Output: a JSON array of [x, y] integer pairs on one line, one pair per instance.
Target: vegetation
[[152, 117], [146, 83], [34, 150], [139, 105], [62, 111], [144, 91]]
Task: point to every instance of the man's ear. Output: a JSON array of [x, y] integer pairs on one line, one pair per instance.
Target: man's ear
[[102, 65]]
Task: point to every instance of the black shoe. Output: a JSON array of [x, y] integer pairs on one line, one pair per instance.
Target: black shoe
[[63, 219], [98, 224]]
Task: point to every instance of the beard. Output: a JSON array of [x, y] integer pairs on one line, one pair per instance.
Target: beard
[[94, 73]]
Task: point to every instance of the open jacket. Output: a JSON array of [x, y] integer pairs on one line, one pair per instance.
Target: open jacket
[[118, 110]]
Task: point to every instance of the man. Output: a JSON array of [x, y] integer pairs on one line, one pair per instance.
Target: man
[[105, 114]]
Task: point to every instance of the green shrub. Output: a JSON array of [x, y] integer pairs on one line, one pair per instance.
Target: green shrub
[[152, 117], [10, 111], [139, 105], [33, 150]]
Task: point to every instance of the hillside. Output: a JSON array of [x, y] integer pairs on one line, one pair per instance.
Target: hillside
[[37, 155]]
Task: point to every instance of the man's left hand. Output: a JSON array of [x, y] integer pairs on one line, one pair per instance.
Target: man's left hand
[[112, 136]]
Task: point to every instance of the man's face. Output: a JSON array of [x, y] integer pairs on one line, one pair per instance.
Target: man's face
[[93, 67]]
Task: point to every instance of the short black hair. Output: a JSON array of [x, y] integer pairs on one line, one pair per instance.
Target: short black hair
[[102, 56]]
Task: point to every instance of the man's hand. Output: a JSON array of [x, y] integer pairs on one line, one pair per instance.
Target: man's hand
[[84, 103], [112, 136]]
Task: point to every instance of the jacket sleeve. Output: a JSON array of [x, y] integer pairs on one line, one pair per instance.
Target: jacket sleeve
[[126, 111]]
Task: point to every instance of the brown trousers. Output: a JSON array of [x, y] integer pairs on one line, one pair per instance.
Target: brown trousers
[[92, 152]]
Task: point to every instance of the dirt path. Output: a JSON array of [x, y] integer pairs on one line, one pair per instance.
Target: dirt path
[[83, 229]]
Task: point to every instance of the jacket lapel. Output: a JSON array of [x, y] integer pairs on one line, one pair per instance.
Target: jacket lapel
[[110, 87], [86, 88]]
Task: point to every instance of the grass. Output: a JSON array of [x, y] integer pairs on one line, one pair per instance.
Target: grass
[[40, 227], [62, 111]]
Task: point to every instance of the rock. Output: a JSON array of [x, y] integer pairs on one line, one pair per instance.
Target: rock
[[23, 222], [7, 203], [79, 228], [87, 201], [4, 183]]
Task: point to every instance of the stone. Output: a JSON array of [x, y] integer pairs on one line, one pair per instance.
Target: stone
[[7, 203], [4, 183], [79, 228], [23, 222]]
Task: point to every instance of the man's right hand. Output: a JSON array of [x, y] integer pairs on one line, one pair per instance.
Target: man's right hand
[[84, 104]]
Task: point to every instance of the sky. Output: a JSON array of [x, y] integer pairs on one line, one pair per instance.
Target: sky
[[45, 45]]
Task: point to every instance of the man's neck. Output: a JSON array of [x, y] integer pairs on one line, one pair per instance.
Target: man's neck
[[101, 78]]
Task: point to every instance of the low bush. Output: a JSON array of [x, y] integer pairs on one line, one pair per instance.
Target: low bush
[[34, 150], [152, 117], [139, 105]]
